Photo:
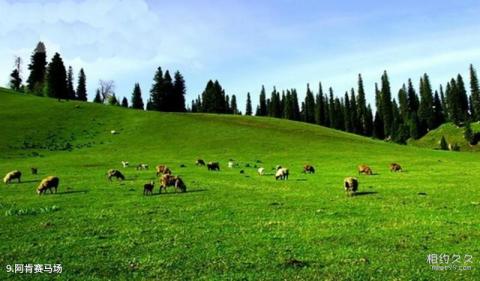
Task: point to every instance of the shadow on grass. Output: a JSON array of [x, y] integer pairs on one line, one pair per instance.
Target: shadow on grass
[[173, 192], [72, 192], [364, 193], [301, 180], [30, 181]]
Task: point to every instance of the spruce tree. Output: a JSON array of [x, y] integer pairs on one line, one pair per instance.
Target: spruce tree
[[169, 104], [233, 105], [320, 107], [443, 143], [295, 108], [355, 117], [331, 109], [475, 94], [112, 100], [403, 102], [137, 101], [438, 112], [37, 69], [15, 80], [386, 99], [98, 97], [346, 113], [378, 126], [70, 90], [309, 106], [368, 129], [463, 98], [125, 102], [157, 92], [262, 103], [362, 107], [443, 101], [414, 125], [288, 106], [339, 115], [248, 107], [179, 91], [425, 110], [82, 86], [413, 101], [56, 78]]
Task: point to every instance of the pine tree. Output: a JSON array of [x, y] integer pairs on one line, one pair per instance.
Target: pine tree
[[125, 102], [468, 133], [295, 108], [414, 125], [386, 99], [56, 78], [233, 105], [149, 105], [403, 102], [475, 94], [248, 107], [362, 107], [413, 101], [113, 100], [98, 97], [37, 69], [463, 98], [167, 88], [378, 127], [331, 109], [327, 111], [70, 90], [262, 103], [274, 106], [309, 106], [438, 115], [137, 101], [443, 101], [320, 107], [15, 80], [288, 106], [179, 91], [355, 117], [157, 92], [339, 115], [425, 111], [368, 126], [228, 110], [346, 113], [82, 86]]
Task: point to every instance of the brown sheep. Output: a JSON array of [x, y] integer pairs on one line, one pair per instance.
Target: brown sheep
[[282, 174], [364, 169], [350, 184], [200, 162], [148, 188], [48, 183], [115, 173], [213, 166], [308, 169], [15, 174], [394, 167], [169, 180], [34, 170], [162, 169]]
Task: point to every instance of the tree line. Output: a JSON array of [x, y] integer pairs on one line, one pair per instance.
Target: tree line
[[409, 114]]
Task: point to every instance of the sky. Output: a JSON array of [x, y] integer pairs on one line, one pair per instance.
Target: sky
[[246, 44]]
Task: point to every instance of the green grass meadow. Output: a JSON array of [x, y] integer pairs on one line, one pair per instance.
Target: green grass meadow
[[228, 225]]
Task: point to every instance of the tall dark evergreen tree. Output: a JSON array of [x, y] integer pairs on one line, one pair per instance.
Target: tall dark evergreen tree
[[179, 91], [295, 108], [248, 107], [386, 99], [288, 106], [425, 111], [320, 107], [233, 105], [347, 110], [355, 117], [413, 101], [125, 102], [81, 93], [37, 69], [331, 109], [56, 82], [98, 97], [274, 107], [443, 100], [378, 126], [157, 92], [463, 98], [362, 107], [169, 104], [262, 103], [475, 94], [70, 90], [339, 115], [15, 80], [309, 106], [438, 115], [137, 101], [403, 102], [368, 129]]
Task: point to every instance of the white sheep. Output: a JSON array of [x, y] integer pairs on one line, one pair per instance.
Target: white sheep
[[261, 171], [125, 164], [282, 174], [113, 132]]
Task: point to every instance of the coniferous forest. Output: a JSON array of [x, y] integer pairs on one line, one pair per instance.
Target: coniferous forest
[[398, 115]]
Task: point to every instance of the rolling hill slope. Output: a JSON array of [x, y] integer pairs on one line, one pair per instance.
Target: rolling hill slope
[[228, 225]]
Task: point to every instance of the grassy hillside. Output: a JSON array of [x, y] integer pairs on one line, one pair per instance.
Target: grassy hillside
[[453, 134], [228, 225]]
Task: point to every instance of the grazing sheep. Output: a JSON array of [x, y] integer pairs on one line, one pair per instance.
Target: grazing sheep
[[48, 183], [350, 184], [115, 173], [162, 169], [142, 166], [213, 166], [278, 167], [200, 162], [231, 164], [394, 167], [170, 180], [125, 164], [148, 188], [282, 174], [364, 169], [308, 169], [113, 132], [16, 174], [261, 171], [34, 170]]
